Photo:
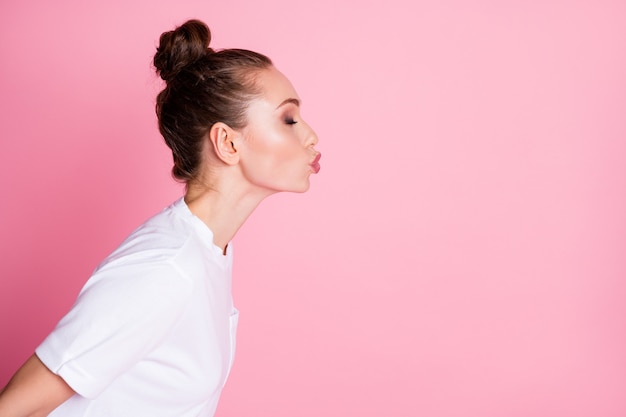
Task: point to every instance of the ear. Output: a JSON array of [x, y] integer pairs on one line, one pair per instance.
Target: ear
[[222, 137]]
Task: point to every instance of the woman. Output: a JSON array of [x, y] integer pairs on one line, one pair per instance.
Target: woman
[[152, 333]]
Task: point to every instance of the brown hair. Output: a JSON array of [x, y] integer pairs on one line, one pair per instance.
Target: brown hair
[[203, 87]]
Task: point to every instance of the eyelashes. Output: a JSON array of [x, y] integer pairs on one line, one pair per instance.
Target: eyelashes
[[290, 121]]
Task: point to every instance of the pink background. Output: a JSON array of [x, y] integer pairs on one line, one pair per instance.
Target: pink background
[[461, 253]]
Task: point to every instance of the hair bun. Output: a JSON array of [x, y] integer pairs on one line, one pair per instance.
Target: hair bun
[[181, 47]]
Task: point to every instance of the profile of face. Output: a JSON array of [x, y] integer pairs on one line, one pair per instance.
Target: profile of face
[[278, 147]]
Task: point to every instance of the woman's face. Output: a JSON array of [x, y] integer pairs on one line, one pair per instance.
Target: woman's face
[[277, 153]]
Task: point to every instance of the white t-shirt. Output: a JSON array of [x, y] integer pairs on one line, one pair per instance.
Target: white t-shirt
[[152, 333]]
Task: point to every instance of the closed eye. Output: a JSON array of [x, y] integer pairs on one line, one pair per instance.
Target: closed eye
[[290, 121]]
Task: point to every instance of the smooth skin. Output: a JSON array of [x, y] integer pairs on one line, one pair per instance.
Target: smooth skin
[[273, 153], [33, 391], [240, 168]]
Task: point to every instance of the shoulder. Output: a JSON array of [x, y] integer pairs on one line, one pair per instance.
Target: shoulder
[[145, 264], [158, 239], [138, 285]]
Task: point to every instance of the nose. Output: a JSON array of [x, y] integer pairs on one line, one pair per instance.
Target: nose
[[311, 138]]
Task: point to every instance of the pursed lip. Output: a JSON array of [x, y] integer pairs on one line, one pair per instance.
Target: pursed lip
[[315, 165]]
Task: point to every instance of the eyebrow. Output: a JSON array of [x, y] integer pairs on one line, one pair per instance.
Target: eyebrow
[[289, 100]]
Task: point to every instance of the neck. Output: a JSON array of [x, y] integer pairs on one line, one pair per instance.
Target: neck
[[223, 207]]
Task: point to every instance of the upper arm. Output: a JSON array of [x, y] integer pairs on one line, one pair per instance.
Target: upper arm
[[33, 391], [119, 317]]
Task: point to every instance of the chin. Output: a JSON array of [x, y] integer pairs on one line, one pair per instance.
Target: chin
[[302, 188]]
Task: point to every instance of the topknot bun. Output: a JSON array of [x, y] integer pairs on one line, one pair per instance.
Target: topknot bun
[[181, 47]]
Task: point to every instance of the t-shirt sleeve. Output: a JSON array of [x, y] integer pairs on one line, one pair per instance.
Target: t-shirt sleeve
[[121, 314]]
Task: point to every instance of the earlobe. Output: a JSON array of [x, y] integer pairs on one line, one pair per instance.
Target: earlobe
[[222, 137]]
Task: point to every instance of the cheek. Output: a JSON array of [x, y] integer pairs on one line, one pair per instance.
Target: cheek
[[277, 148], [273, 158], [288, 151]]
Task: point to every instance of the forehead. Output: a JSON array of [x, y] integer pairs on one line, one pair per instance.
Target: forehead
[[275, 87]]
